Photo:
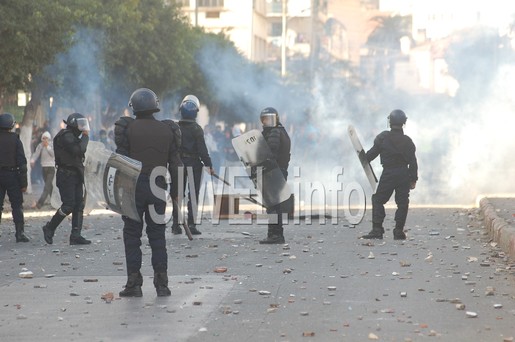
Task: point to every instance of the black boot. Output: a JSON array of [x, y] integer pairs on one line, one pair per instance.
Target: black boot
[[133, 286], [398, 233], [50, 227], [193, 229], [20, 235], [161, 284], [176, 229], [275, 235], [75, 237], [376, 232]]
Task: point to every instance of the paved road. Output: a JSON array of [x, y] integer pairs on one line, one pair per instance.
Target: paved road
[[325, 283]]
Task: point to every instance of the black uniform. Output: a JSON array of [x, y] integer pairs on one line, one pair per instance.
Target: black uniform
[[69, 149], [279, 142], [195, 156], [13, 178], [151, 142], [400, 170]]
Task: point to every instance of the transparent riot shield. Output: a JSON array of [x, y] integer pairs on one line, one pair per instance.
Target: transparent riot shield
[[256, 156], [110, 181]]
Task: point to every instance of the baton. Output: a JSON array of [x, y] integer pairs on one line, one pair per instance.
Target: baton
[[229, 184], [254, 201], [185, 223], [221, 179]]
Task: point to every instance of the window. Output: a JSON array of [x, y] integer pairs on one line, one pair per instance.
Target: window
[[210, 3], [277, 29]]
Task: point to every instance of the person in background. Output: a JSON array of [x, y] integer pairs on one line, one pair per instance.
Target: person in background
[[45, 153], [280, 144], [195, 156]]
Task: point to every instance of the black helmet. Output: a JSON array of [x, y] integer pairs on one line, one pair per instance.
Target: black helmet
[[269, 117], [397, 118], [144, 100], [7, 121], [77, 121], [189, 107]]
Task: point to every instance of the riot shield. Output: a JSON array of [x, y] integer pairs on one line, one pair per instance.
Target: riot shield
[[372, 179], [110, 180], [256, 156]]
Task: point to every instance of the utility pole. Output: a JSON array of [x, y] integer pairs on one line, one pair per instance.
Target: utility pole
[[314, 39], [196, 13], [283, 45]]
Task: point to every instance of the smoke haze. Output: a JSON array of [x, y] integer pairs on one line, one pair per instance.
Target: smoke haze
[[464, 144]]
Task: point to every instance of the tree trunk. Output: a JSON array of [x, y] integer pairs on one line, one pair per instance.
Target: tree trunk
[[29, 114]]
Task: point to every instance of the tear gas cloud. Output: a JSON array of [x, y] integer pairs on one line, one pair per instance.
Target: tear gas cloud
[[464, 144]]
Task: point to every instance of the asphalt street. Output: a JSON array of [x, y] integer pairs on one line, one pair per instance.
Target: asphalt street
[[447, 282]]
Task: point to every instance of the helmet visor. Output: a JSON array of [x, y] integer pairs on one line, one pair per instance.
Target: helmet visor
[[83, 124], [269, 120]]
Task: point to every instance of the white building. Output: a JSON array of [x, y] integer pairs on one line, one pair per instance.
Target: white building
[[255, 26]]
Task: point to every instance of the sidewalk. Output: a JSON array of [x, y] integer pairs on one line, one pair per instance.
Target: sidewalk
[[499, 218]]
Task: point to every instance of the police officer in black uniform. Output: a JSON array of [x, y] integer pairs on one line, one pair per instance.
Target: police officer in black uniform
[[13, 173], [279, 142], [152, 143], [70, 146], [194, 155], [400, 174]]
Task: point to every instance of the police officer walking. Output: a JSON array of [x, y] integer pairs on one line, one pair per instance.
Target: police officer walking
[[70, 146], [152, 143], [279, 142], [13, 173], [195, 156], [400, 174]]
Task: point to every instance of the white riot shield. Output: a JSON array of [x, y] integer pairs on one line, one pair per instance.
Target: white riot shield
[[110, 180], [255, 154], [372, 179]]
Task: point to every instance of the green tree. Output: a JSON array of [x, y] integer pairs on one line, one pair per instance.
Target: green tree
[[32, 33]]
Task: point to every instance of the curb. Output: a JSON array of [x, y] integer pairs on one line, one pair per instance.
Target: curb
[[498, 229]]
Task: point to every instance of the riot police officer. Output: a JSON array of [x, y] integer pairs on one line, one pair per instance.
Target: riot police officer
[[400, 174], [195, 157], [70, 146], [13, 173], [152, 143], [279, 142]]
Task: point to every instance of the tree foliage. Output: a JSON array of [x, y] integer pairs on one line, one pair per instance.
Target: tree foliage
[[31, 34], [89, 55]]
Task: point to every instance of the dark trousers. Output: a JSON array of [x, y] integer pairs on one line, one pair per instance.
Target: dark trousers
[[70, 185], [48, 177], [148, 206], [10, 184], [275, 215], [196, 167], [396, 179]]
